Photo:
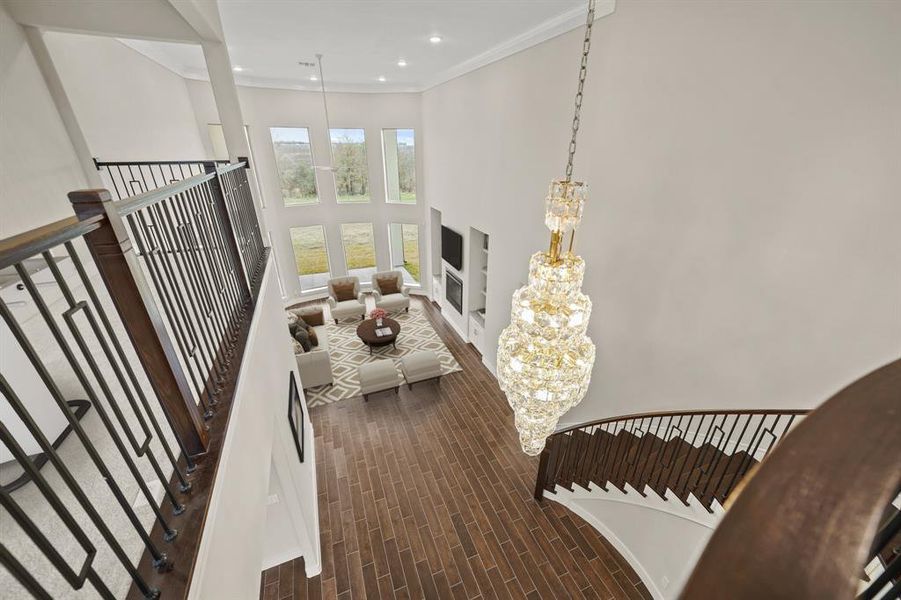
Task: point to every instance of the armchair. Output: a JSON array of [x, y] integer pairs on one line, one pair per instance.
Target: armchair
[[346, 308], [391, 301]]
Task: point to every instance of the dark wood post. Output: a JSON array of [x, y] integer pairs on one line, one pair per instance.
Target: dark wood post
[[121, 272], [541, 477]]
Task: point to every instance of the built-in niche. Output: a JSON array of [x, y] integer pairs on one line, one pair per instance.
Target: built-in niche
[[435, 255], [478, 286]]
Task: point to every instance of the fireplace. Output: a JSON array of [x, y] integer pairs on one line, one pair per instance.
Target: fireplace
[[453, 290]]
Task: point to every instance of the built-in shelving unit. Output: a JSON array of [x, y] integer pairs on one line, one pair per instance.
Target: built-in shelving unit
[[478, 285]]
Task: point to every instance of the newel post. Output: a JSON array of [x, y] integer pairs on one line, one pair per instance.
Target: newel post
[[541, 477], [111, 248]]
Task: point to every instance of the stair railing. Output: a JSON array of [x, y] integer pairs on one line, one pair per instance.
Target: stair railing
[[126, 180], [815, 512], [136, 311], [701, 453]]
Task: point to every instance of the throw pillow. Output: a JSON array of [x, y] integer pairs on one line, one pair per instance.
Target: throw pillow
[[387, 285], [303, 337], [298, 349], [292, 318], [313, 317], [314, 339], [344, 291]]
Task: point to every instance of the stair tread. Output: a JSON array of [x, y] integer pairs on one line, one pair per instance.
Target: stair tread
[[644, 460]]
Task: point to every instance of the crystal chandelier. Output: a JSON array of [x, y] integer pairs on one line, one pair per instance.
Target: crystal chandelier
[[544, 357]]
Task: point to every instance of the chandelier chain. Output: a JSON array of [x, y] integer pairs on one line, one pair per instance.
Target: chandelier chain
[[583, 72]]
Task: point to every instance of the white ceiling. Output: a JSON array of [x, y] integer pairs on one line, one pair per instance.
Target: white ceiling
[[361, 40]]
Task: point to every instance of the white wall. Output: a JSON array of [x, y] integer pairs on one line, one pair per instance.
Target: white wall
[[267, 107], [38, 166], [742, 234], [232, 549], [662, 547], [129, 107]]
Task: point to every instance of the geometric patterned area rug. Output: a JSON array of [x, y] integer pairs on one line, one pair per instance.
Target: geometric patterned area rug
[[347, 353]]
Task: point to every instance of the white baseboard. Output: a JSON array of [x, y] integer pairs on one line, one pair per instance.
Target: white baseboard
[[490, 366], [312, 569], [618, 545], [282, 557]]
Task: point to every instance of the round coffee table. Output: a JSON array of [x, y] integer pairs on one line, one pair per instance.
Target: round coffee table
[[366, 333]]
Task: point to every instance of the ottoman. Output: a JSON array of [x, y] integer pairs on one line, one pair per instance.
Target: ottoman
[[420, 366], [378, 376]]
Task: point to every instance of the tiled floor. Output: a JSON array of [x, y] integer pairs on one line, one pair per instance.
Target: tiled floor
[[427, 495]]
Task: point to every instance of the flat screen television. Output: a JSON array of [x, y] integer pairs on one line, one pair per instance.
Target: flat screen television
[[453, 290], [452, 248]]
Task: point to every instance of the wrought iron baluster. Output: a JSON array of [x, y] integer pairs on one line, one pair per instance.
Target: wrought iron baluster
[[87, 573], [745, 459], [163, 224], [721, 452], [22, 575], [142, 397], [158, 557], [173, 303]]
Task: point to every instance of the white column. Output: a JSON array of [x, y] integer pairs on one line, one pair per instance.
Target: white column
[[54, 84], [225, 92]]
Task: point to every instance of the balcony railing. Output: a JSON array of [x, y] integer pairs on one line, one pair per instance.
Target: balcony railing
[[124, 332]]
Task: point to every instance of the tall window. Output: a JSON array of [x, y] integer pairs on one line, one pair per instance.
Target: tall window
[[359, 249], [349, 160], [311, 257], [403, 239], [294, 159], [400, 165]]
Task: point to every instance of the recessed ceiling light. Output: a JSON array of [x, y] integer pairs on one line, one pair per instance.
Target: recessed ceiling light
[[401, 63], [382, 78], [237, 69], [313, 78], [435, 39]]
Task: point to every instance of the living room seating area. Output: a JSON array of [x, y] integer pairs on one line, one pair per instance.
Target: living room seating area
[[329, 370]]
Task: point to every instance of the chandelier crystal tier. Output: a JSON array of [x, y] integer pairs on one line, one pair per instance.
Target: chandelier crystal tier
[[544, 356]]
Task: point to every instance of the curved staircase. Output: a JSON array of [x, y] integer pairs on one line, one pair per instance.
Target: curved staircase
[[820, 518], [700, 454]]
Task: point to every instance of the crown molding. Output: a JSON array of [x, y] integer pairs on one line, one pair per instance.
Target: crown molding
[[541, 33], [551, 28]]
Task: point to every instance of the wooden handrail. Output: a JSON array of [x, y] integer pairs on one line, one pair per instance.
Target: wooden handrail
[[151, 197], [803, 525], [19, 247], [684, 413], [142, 163]]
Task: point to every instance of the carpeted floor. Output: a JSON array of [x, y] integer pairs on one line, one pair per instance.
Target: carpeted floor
[[347, 353]]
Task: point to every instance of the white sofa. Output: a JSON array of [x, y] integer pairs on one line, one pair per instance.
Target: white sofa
[[315, 366], [391, 302], [348, 308]]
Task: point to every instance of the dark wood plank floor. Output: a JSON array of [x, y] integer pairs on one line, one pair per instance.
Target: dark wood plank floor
[[428, 495]]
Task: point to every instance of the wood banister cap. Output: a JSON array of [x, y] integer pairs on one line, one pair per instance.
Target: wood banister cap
[[90, 196]]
